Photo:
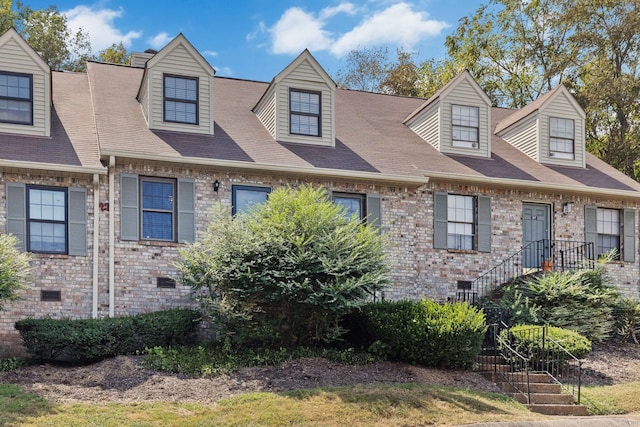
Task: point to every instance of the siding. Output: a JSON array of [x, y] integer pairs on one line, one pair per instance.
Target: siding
[[15, 59], [524, 137], [266, 112], [305, 77], [427, 125], [181, 62], [561, 107], [144, 99], [465, 94]]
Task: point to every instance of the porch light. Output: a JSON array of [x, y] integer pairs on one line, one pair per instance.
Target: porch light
[[566, 207], [216, 185]]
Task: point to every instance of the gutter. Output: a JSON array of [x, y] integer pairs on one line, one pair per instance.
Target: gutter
[[416, 180], [53, 167], [531, 185]]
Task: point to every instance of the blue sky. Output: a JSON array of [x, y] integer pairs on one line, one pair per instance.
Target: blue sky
[[256, 39]]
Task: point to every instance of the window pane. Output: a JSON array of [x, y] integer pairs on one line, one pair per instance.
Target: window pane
[[352, 205], [157, 195], [304, 102], [460, 217], [180, 112], [47, 237], [305, 125], [246, 198], [157, 225]]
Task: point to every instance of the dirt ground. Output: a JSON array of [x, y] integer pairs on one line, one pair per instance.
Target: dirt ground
[[123, 379]]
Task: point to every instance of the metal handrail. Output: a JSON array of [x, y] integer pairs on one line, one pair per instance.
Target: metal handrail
[[535, 257], [518, 367]]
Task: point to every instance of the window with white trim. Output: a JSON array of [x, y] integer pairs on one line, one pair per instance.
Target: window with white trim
[[157, 208], [460, 222], [608, 229], [47, 219], [16, 98], [465, 126], [304, 112], [180, 99], [561, 138]]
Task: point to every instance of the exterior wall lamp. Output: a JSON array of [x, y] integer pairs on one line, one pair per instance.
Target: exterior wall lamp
[[216, 185], [566, 208]]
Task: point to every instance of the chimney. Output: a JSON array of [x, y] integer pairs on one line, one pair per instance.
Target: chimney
[[139, 59]]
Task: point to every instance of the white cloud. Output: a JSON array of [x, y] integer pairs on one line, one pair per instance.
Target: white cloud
[[398, 24], [297, 30], [261, 29], [99, 24], [211, 53], [223, 71], [159, 40]]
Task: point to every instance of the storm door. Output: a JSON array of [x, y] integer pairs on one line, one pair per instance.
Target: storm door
[[536, 234]]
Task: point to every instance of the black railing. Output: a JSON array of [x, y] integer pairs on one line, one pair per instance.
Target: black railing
[[535, 257]]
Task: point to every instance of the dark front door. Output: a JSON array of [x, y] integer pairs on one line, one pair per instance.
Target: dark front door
[[536, 233]]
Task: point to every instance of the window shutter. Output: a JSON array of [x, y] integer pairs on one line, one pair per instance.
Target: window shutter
[[129, 205], [374, 210], [78, 221], [484, 224], [629, 242], [440, 220], [186, 211], [591, 228], [17, 213]]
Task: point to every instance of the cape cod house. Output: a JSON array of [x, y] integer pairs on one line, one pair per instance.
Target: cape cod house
[[105, 174]]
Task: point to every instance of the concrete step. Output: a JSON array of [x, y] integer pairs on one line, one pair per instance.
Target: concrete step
[[544, 398], [572, 410], [533, 378], [545, 388]]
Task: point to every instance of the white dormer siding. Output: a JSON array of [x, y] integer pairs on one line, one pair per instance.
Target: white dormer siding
[[529, 129], [303, 75], [16, 56], [434, 120], [177, 60]]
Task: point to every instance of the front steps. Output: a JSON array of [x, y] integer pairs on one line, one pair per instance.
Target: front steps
[[546, 395]]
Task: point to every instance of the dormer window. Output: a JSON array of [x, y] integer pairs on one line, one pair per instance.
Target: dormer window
[[180, 99], [304, 112], [561, 138], [465, 126], [16, 98]]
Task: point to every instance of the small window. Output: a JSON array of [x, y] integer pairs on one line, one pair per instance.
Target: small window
[[50, 296], [304, 112], [608, 228], [561, 138], [47, 220], [465, 129], [157, 208], [16, 98], [354, 204], [460, 222], [244, 197], [181, 99], [165, 283]]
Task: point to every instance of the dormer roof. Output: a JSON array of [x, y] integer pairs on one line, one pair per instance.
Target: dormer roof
[[12, 34]]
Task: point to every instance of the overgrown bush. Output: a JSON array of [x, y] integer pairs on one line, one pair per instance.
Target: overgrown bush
[[80, 341], [15, 271], [627, 318], [286, 272], [528, 341], [422, 332]]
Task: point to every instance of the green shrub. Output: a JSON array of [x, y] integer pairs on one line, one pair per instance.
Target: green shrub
[[80, 341], [15, 271], [287, 271], [528, 341], [627, 318], [423, 332]]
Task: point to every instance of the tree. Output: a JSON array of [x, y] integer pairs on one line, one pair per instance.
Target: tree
[[114, 54], [402, 77], [285, 273], [366, 69], [47, 32], [15, 271]]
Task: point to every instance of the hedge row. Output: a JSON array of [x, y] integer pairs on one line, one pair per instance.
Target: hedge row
[[424, 332], [81, 341]]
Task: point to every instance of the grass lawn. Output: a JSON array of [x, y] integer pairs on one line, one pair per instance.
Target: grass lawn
[[379, 405], [614, 399]]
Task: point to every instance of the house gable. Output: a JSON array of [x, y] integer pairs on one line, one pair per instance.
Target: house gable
[[19, 61], [303, 81], [456, 119], [550, 130], [176, 92]]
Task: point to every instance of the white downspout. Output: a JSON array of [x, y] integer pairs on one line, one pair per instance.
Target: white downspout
[[112, 226], [96, 241]]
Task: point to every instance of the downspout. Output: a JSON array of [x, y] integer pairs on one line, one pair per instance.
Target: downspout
[[96, 241], [112, 299]]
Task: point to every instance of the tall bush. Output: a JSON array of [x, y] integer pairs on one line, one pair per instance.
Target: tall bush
[[15, 271], [287, 271]]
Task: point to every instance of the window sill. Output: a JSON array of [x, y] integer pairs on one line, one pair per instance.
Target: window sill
[[159, 243], [462, 251]]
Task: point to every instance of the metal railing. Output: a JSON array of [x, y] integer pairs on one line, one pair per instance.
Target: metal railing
[[535, 257]]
